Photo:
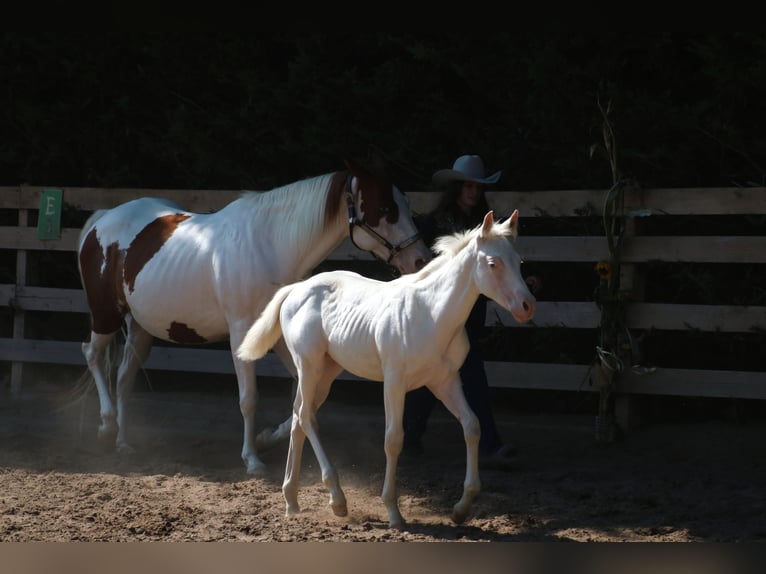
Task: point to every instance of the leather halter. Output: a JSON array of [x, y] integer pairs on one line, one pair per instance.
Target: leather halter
[[353, 221]]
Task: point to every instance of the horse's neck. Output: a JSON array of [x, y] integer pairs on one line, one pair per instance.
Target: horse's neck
[[451, 289], [316, 248], [297, 237]]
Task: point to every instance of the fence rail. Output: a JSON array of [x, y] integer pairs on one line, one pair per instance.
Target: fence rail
[[20, 298]]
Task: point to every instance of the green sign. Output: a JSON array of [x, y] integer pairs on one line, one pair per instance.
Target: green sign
[[49, 220]]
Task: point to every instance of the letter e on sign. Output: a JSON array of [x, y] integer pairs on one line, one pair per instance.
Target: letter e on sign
[[49, 220]]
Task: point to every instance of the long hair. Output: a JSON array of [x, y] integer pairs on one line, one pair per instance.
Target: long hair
[[448, 205]]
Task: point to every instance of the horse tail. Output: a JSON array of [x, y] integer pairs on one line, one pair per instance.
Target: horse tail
[[266, 330]]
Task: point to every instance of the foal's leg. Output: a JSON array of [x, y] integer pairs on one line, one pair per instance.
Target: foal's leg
[[294, 455], [314, 388], [137, 345], [451, 394], [95, 351], [393, 400]]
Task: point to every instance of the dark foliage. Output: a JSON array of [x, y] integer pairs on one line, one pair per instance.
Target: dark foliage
[[228, 111]]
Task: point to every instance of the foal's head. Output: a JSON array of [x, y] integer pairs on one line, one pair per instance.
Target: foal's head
[[497, 269]]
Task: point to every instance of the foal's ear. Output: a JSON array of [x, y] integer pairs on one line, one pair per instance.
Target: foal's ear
[[513, 223], [486, 225]]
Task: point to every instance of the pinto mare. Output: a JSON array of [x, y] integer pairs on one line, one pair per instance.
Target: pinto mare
[[407, 333], [195, 278]]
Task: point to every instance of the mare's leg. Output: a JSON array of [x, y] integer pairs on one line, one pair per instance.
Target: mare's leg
[[314, 386], [393, 397], [95, 351], [137, 345], [451, 394], [248, 397], [267, 438]]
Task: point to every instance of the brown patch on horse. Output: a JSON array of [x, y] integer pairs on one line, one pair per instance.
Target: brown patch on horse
[[148, 242], [102, 288], [182, 333], [376, 196]]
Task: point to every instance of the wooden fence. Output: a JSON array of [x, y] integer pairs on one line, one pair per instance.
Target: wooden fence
[[637, 251]]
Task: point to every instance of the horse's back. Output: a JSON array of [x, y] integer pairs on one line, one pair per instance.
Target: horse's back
[[337, 313], [146, 255], [123, 222]]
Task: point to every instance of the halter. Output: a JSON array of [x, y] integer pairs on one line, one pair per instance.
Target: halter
[[353, 221]]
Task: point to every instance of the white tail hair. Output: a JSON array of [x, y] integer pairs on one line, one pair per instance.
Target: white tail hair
[[266, 331]]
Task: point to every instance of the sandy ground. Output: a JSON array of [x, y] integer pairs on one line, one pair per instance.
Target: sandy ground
[[186, 482]]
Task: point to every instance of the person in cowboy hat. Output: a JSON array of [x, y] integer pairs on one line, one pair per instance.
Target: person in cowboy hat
[[462, 206]]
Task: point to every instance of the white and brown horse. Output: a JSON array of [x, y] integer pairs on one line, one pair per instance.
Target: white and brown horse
[[194, 278], [407, 333]]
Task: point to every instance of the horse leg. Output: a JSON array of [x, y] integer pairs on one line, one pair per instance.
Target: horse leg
[[248, 398], [293, 464], [393, 400], [314, 390], [137, 346], [451, 395], [267, 438], [95, 351]]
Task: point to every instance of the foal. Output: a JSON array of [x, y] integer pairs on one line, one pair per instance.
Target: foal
[[407, 333]]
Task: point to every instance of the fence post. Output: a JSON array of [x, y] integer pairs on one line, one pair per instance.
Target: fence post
[[18, 314], [632, 279]]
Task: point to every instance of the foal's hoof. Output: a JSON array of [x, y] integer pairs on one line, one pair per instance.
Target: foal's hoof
[[339, 509]]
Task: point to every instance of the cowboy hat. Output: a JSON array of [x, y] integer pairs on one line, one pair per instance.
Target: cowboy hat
[[466, 168]]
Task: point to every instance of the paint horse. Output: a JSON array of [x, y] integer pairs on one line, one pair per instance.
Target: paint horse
[[407, 333], [194, 278]]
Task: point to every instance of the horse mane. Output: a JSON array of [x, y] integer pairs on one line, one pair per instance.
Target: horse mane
[[447, 246], [450, 245], [317, 198]]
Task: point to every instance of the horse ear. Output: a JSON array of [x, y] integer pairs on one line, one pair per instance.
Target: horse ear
[[513, 223], [356, 167], [486, 225]]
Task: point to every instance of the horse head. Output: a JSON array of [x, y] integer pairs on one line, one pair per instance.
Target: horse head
[[380, 220], [498, 271]]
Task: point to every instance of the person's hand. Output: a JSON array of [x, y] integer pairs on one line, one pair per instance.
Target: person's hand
[[534, 283]]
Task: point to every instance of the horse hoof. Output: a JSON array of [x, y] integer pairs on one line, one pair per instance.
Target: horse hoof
[[262, 441], [292, 509], [107, 435], [125, 449], [339, 509], [459, 517], [255, 468]]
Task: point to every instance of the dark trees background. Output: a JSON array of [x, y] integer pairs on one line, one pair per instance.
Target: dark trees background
[[232, 111]]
